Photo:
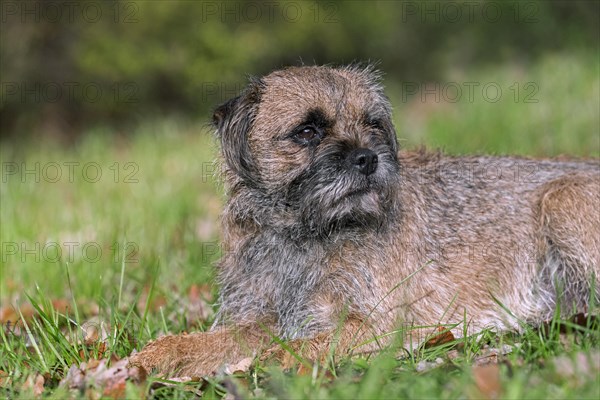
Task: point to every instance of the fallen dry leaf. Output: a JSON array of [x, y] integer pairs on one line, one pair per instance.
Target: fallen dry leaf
[[114, 389], [75, 379], [95, 330], [11, 314], [240, 367], [442, 337], [203, 292], [581, 319], [98, 374], [487, 380], [95, 349], [4, 378], [35, 383], [156, 302], [199, 308]]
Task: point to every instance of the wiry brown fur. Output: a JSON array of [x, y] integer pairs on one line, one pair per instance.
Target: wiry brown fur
[[313, 242]]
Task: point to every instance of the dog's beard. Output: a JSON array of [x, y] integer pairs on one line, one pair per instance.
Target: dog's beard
[[331, 197]]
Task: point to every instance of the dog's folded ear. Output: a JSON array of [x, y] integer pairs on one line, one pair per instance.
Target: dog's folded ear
[[241, 108], [222, 112], [233, 121]]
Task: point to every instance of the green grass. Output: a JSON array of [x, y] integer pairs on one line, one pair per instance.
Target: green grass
[[549, 108], [156, 226]]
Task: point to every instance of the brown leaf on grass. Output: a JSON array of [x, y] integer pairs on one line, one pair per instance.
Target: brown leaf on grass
[[201, 292], [4, 378], [61, 305], [35, 383], [442, 337], [98, 348], [75, 378], [199, 310], [10, 314], [581, 319], [98, 374], [95, 330], [487, 380], [156, 302], [240, 367], [114, 389]]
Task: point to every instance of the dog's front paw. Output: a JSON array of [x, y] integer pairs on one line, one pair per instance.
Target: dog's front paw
[[161, 355], [195, 354], [180, 356]]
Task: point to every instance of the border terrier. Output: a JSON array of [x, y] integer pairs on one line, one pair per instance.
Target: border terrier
[[333, 238]]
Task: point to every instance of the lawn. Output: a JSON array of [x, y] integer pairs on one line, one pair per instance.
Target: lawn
[[111, 241]]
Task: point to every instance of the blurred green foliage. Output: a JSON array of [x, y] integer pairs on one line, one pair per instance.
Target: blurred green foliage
[[69, 65]]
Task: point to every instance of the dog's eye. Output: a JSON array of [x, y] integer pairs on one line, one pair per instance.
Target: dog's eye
[[307, 135], [376, 124]]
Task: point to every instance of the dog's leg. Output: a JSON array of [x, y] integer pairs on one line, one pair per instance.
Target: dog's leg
[[199, 354], [570, 220]]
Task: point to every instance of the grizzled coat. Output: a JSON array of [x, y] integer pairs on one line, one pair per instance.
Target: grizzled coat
[[330, 231]]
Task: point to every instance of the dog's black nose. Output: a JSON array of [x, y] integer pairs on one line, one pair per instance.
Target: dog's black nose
[[364, 160]]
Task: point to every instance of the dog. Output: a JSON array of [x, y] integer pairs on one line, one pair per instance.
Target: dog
[[332, 237]]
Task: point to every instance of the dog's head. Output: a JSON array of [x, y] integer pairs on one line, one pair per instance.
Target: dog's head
[[314, 143]]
